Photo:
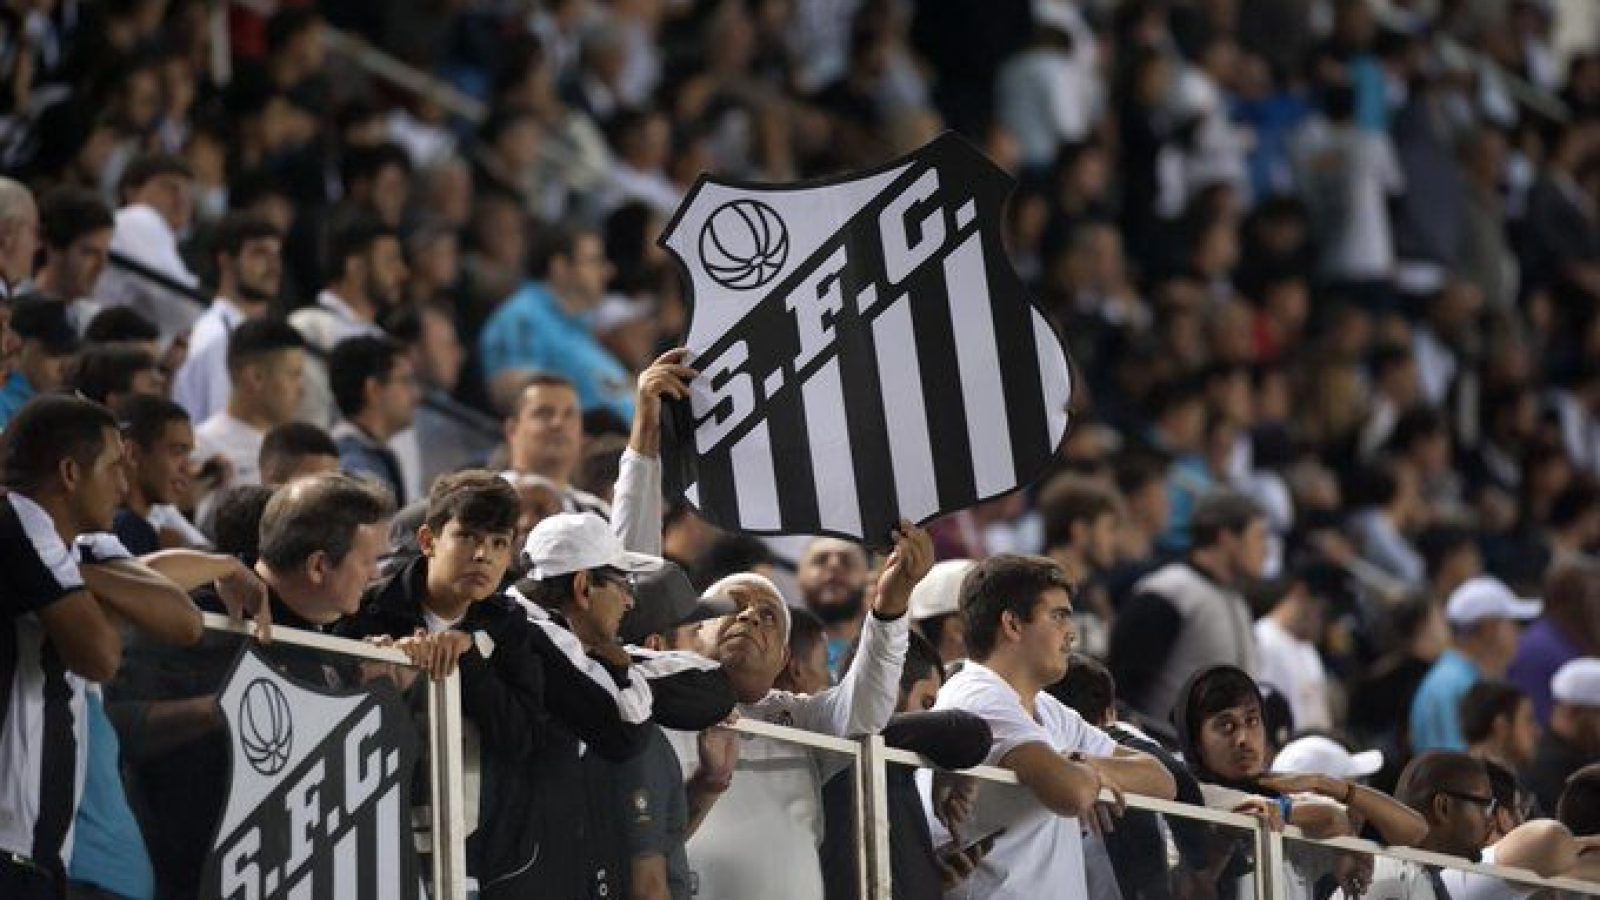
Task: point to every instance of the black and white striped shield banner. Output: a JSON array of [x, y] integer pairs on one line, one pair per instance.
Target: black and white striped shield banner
[[866, 352]]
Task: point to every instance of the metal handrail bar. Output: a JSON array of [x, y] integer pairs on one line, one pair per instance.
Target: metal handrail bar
[[314, 640], [847, 746]]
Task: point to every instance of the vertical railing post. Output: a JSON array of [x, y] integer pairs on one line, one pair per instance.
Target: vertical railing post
[[873, 822], [448, 793], [1269, 862]]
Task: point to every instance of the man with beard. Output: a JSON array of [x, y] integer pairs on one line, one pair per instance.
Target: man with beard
[[833, 583], [366, 268], [249, 255], [761, 838]]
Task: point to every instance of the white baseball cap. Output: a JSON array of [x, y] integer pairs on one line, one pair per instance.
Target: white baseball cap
[[939, 591], [574, 542], [1487, 598], [1578, 682], [1317, 755]]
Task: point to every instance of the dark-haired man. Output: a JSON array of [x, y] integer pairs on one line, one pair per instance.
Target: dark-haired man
[[541, 327], [375, 386], [366, 268], [1498, 723], [266, 365], [294, 450], [159, 440], [249, 255], [61, 466], [1190, 614], [1020, 631], [1452, 792], [48, 342], [832, 578], [75, 230]]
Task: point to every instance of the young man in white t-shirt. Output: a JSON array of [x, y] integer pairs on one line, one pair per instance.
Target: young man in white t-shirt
[[1018, 613]]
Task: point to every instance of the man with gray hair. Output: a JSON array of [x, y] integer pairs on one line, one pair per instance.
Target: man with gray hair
[[1190, 614], [761, 838], [19, 236]]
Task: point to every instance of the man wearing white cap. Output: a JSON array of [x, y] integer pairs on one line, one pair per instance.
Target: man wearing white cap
[[1483, 616], [1573, 738]]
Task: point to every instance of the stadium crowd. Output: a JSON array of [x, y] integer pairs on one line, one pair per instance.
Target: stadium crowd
[[287, 342]]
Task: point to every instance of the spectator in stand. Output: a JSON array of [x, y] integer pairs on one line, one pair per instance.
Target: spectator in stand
[[1287, 638], [376, 388], [266, 367], [249, 257], [75, 230], [1020, 629], [761, 838], [1483, 615], [544, 437], [156, 192], [1568, 629], [1451, 791], [1136, 849], [1221, 732], [936, 609], [1498, 724], [1572, 739], [111, 374], [320, 539], [159, 439], [294, 450], [446, 446], [579, 587], [61, 466], [1190, 613], [48, 342], [1082, 519], [832, 578], [1451, 557], [19, 236], [541, 328], [1574, 520], [806, 670], [366, 269], [1394, 511]]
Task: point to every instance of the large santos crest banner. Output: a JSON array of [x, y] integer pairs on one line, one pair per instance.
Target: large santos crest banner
[[319, 796], [866, 352]]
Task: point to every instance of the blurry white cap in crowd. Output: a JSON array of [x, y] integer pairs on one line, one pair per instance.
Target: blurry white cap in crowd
[[1578, 682], [1317, 755], [939, 592], [1487, 598]]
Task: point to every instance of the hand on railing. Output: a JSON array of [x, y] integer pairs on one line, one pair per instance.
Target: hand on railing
[[1268, 811], [955, 796], [436, 654], [243, 594]]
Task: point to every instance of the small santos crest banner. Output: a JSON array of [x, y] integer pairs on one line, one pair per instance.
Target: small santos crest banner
[[319, 794], [866, 352]]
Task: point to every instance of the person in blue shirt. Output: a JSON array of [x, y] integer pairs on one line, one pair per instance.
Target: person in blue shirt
[[1484, 617], [544, 327], [48, 343]]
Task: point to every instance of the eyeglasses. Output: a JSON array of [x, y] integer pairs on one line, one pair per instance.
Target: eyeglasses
[[615, 576], [1489, 804]]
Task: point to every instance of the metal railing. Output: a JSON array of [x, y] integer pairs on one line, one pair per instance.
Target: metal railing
[[870, 759]]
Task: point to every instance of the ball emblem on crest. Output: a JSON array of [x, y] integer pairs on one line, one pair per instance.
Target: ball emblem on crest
[[743, 244], [266, 731]]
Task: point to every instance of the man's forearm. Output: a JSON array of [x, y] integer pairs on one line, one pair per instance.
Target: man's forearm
[[191, 569], [702, 795], [146, 599], [1136, 773]]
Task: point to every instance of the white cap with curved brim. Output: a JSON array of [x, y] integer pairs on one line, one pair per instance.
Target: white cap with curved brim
[[939, 592], [574, 542], [1317, 755], [1486, 597]]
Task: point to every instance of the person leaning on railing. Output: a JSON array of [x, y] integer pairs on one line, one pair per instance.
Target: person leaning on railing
[[1219, 722], [1020, 628]]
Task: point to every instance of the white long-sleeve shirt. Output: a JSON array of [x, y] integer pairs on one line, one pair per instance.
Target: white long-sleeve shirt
[[761, 838]]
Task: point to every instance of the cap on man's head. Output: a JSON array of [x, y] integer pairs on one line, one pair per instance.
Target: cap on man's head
[[575, 542], [939, 592], [1577, 683], [664, 600], [43, 319], [1318, 755], [1487, 598]]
